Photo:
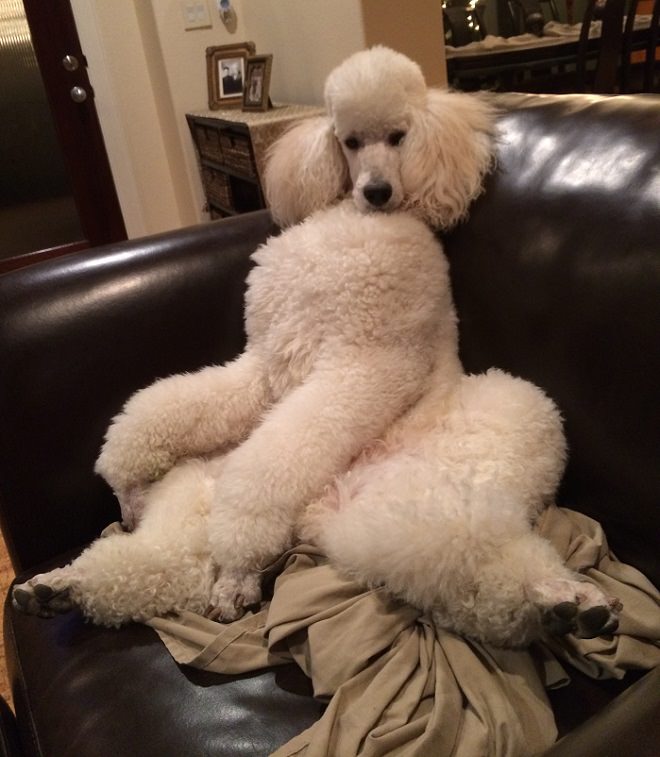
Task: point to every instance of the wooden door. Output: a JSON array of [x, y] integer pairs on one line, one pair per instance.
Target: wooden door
[[58, 194]]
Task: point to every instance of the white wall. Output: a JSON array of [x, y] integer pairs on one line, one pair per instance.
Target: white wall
[[307, 39], [182, 72]]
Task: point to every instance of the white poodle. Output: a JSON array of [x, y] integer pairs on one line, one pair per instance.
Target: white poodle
[[348, 419]]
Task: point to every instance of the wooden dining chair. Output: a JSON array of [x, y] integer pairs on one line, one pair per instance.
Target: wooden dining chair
[[616, 69], [638, 72], [627, 49], [652, 64], [604, 77]]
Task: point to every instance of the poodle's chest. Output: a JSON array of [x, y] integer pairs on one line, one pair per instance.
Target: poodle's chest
[[340, 281], [292, 312]]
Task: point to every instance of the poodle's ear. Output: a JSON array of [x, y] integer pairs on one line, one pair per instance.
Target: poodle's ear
[[447, 152], [305, 171]]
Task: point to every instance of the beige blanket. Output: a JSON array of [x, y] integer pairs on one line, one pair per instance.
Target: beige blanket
[[395, 685]]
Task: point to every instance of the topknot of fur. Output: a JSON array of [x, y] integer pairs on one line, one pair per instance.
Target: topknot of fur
[[349, 87]]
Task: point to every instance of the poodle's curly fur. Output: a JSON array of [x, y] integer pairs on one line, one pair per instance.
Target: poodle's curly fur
[[348, 420]]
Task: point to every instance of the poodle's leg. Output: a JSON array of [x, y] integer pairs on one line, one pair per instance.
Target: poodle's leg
[[307, 439], [164, 566], [505, 433], [445, 523], [512, 445], [467, 556], [186, 415], [463, 550]]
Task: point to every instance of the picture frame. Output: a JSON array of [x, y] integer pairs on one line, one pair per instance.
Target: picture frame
[[257, 82], [225, 72]]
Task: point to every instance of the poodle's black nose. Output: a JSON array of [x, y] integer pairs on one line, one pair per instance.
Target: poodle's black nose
[[377, 193]]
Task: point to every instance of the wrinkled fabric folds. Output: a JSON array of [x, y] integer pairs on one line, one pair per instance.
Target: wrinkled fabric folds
[[395, 685]]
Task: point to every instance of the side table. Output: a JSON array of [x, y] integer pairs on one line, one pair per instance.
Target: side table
[[231, 146]]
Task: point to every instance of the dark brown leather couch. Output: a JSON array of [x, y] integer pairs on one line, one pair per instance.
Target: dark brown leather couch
[[557, 278]]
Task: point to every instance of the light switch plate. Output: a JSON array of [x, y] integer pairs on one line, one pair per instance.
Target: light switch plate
[[196, 14]]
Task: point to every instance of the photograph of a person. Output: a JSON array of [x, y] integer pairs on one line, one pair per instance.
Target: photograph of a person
[[256, 85], [231, 76], [226, 73], [257, 82]]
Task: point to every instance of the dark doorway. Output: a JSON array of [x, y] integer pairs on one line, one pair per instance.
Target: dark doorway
[[56, 189]]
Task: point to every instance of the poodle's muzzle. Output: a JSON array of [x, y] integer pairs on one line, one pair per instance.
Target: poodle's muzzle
[[375, 173]]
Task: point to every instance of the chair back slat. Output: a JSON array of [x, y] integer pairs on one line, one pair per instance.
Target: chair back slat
[[651, 49]]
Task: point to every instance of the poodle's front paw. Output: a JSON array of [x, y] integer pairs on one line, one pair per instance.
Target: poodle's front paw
[[133, 504], [232, 594], [577, 607], [134, 454], [45, 595], [132, 468]]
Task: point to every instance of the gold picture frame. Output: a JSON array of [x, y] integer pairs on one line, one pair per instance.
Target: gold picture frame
[[257, 82], [225, 72]]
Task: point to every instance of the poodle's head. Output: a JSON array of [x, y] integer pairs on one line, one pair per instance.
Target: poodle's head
[[387, 140]]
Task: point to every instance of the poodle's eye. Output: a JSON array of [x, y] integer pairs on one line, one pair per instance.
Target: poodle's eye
[[353, 143], [396, 138]]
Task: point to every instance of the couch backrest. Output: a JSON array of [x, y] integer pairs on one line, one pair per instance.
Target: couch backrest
[[557, 278]]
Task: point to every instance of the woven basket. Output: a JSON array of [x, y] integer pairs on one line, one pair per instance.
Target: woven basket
[[218, 188], [208, 143], [237, 153]]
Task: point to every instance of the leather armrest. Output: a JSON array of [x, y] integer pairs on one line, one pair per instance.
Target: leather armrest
[[628, 725], [78, 335]]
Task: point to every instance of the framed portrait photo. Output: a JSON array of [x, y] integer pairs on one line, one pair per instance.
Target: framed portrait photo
[[257, 82], [225, 70]]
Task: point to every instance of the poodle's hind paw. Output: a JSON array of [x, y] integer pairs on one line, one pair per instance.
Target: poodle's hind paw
[[233, 594], [36, 597], [587, 613]]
